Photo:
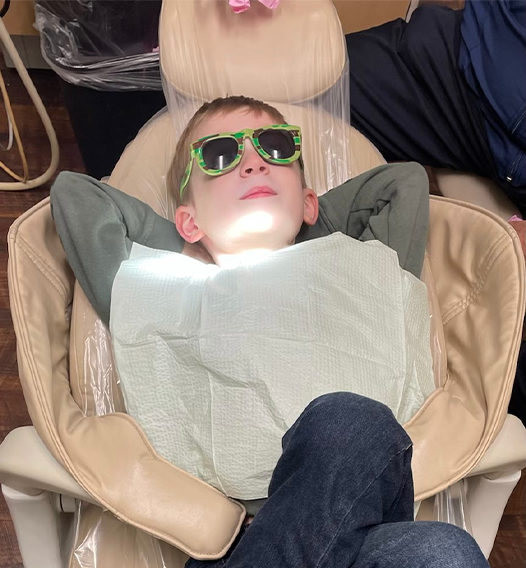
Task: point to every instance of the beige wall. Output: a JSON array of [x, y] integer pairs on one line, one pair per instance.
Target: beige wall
[[362, 14], [20, 17]]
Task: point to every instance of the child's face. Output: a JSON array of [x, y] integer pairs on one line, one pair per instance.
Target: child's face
[[255, 206]]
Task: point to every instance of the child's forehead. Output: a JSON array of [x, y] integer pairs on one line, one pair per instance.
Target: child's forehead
[[231, 121]]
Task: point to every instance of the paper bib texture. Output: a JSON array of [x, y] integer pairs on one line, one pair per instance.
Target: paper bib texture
[[217, 364]]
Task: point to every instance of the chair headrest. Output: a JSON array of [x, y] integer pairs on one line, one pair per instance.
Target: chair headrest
[[291, 54]]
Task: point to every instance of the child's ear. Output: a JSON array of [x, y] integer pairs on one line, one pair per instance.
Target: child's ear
[[185, 223], [310, 206]]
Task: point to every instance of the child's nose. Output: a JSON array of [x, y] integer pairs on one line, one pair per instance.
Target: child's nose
[[252, 162]]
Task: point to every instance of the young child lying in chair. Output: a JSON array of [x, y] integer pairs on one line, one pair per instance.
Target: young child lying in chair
[[341, 493]]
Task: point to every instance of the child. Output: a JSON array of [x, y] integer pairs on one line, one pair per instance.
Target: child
[[341, 493]]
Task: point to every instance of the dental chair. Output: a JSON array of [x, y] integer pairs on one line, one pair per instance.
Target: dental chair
[[83, 484]]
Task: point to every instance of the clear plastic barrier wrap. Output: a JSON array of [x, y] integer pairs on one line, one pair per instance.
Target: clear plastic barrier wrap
[[451, 506], [293, 58], [104, 45], [103, 541]]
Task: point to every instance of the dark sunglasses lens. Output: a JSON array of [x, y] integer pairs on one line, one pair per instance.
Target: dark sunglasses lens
[[219, 153], [278, 144]]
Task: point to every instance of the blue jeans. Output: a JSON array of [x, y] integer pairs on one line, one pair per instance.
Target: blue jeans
[[341, 496]]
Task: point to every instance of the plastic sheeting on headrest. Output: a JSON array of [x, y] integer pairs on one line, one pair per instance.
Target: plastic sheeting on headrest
[[292, 57], [290, 54]]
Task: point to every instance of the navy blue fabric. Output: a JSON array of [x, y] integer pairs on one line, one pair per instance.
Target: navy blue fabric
[[341, 496], [409, 97], [492, 58]]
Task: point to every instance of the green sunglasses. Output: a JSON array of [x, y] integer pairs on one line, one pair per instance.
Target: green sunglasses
[[219, 154]]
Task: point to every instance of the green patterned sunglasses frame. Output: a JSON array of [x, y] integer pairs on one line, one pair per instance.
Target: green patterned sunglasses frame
[[196, 150]]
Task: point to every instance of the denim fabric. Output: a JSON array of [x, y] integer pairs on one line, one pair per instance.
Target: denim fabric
[[419, 545], [342, 495]]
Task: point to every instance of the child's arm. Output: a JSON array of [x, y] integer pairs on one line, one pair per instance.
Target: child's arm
[[389, 203], [97, 225]]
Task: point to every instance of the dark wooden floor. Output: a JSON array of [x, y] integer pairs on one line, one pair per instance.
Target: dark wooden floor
[[510, 547]]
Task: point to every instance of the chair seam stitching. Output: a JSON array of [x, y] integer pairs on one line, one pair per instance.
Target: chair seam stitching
[[44, 268], [493, 254]]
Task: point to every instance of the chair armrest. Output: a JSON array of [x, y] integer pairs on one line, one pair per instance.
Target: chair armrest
[[26, 463], [42, 471], [507, 452]]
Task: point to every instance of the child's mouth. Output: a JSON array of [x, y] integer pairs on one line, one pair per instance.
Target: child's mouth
[[259, 191]]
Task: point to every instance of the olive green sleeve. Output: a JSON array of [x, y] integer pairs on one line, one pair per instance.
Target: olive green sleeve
[[389, 203], [97, 225]]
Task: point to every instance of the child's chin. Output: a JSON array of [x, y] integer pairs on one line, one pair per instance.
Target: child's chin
[[254, 223]]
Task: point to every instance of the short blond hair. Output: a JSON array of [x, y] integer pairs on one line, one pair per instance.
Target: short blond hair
[[217, 106]]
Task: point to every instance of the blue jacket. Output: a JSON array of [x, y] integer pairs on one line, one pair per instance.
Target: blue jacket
[[493, 59]]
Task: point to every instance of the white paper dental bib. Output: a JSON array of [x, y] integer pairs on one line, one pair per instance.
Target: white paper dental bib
[[216, 364]]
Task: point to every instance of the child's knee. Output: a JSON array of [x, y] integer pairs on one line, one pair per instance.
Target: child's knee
[[345, 405], [344, 418]]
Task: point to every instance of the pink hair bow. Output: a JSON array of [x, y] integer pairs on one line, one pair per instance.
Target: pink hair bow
[[239, 6]]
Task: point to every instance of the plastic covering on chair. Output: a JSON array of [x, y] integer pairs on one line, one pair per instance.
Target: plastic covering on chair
[[151, 513], [105, 45]]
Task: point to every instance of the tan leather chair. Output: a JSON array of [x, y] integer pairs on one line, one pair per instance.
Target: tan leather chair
[[139, 510]]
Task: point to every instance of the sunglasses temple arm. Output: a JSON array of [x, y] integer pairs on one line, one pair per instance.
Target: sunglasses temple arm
[[187, 174]]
